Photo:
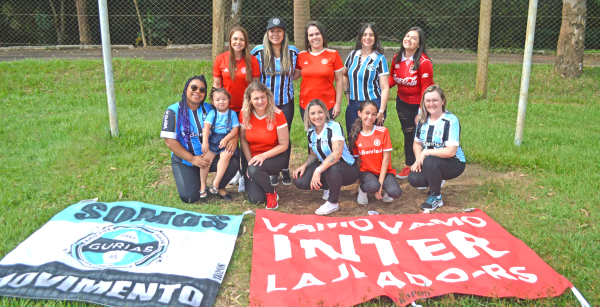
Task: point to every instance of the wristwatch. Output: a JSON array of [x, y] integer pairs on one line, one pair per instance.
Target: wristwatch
[[318, 169]]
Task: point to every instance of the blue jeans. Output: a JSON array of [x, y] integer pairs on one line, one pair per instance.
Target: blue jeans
[[352, 112]]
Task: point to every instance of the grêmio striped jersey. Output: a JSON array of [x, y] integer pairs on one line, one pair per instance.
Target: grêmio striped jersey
[[444, 132], [363, 76], [281, 86], [322, 143]]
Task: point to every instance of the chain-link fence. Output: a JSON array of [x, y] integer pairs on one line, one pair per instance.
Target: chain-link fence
[[447, 24]]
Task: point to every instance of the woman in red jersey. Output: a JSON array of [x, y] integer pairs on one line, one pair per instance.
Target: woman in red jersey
[[412, 71], [239, 60], [265, 138], [372, 147], [319, 67]]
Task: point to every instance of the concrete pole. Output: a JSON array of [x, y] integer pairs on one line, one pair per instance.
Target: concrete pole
[[218, 29], [483, 49], [108, 70], [301, 18], [526, 71]]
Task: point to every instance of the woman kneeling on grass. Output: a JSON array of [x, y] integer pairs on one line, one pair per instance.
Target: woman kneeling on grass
[[372, 147], [439, 156], [182, 130], [220, 126], [265, 138], [337, 167]]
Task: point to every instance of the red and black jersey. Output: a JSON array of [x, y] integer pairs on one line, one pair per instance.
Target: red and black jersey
[[411, 83]]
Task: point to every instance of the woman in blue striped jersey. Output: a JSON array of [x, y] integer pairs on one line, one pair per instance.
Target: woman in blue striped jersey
[[277, 60], [437, 147], [329, 165], [366, 75]]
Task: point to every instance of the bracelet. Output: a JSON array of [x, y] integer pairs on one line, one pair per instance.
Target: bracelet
[[318, 169], [381, 111]]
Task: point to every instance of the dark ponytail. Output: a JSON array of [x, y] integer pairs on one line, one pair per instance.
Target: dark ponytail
[[183, 118], [357, 124]]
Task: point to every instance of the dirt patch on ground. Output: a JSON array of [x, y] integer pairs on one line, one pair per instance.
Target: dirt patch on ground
[[463, 192]]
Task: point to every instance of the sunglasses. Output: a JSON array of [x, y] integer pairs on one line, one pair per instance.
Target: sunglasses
[[196, 88]]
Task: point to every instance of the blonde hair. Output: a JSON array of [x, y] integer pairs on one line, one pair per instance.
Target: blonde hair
[[315, 102], [268, 67], [245, 55], [248, 108], [432, 88]]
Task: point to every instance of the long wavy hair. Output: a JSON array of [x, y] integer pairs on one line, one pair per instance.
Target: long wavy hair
[[357, 125], [245, 54], [183, 117], [377, 46], [432, 88], [315, 102], [268, 66], [417, 56], [248, 108], [321, 29]]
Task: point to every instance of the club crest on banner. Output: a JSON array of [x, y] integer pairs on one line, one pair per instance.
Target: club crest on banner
[[120, 247]]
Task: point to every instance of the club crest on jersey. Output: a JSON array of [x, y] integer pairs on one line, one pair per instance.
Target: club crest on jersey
[[377, 142], [120, 247], [324, 61], [243, 70], [397, 66], [370, 67], [412, 71], [270, 127]]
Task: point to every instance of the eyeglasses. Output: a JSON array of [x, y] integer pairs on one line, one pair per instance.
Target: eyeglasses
[[432, 101], [194, 88]]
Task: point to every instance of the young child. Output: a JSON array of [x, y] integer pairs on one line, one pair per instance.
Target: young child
[[220, 125]]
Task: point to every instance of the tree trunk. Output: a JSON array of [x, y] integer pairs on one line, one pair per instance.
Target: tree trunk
[[218, 28], [84, 29], [236, 15], [141, 24], [301, 18], [569, 50], [56, 26]]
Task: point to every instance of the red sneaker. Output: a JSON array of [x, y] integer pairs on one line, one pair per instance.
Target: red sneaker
[[404, 173], [272, 199]]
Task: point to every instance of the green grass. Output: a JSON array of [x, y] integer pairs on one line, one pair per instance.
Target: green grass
[[56, 149]]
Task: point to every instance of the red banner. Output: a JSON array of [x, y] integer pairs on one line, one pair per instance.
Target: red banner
[[331, 261]]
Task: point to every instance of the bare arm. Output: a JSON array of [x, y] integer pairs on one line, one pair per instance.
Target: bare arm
[[245, 145], [283, 138], [385, 92], [339, 92], [182, 153], [217, 82], [335, 156], [297, 74]]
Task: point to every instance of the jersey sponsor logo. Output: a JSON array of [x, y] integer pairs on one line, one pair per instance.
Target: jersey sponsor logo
[[359, 144], [377, 142], [120, 247], [305, 63], [324, 61], [370, 152], [194, 134], [166, 121], [411, 71], [243, 70], [397, 66], [425, 75], [225, 70], [409, 81], [434, 144], [270, 127]]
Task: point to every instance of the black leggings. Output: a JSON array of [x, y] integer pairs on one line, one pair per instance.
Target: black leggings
[[369, 183], [407, 113], [288, 111], [434, 170], [332, 179], [257, 182], [187, 178]]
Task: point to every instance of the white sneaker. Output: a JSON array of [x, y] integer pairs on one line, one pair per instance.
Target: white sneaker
[[242, 185], [235, 180], [386, 198], [423, 188], [326, 195], [362, 198], [327, 208]]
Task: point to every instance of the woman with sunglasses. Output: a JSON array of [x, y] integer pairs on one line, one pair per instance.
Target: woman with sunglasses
[[412, 71], [319, 67], [365, 75], [247, 69], [182, 131], [277, 59]]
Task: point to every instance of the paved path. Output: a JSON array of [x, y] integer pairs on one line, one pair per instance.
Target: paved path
[[205, 54]]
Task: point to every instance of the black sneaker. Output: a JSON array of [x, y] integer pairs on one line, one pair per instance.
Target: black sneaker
[[432, 203], [285, 177], [274, 180]]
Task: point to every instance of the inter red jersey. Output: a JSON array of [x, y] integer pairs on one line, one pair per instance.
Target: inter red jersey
[[370, 149], [411, 83], [235, 88], [318, 74], [261, 134]]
